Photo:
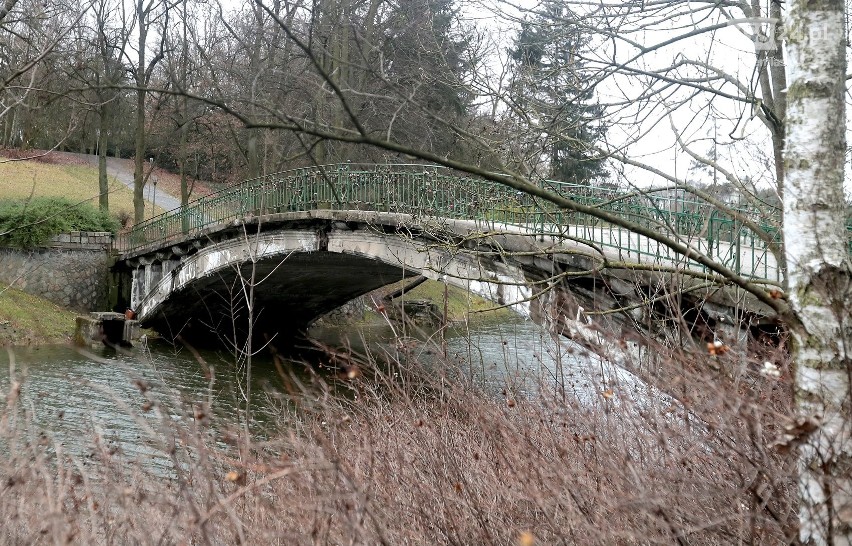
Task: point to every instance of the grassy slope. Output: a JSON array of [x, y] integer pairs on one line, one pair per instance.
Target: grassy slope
[[21, 179], [26, 320], [461, 304]]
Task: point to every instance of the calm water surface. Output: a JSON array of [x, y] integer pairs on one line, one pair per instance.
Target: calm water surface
[[73, 394]]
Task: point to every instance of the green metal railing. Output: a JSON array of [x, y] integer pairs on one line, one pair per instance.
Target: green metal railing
[[431, 191]]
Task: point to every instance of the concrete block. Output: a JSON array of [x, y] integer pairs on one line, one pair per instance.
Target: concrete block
[[106, 315], [88, 331], [132, 331], [109, 328]]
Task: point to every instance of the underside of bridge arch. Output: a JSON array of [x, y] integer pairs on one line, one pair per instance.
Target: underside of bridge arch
[[290, 291]]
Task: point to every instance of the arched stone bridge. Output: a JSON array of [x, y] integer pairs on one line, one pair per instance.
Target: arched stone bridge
[[312, 239]]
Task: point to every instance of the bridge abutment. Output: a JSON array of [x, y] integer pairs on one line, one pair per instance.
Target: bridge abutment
[[145, 276], [71, 270], [115, 329]]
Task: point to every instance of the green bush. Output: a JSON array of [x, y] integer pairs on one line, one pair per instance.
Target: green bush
[[32, 222]]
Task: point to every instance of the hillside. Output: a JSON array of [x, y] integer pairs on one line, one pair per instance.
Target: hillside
[[29, 320], [76, 180], [75, 176]]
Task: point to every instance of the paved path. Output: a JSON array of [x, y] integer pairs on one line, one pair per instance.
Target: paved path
[[122, 171]]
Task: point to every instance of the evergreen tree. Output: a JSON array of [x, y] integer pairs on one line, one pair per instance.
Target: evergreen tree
[[550, 89], [402, 67], [425, 54]]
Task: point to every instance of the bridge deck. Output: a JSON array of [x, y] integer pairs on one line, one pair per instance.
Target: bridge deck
[[313, 261]]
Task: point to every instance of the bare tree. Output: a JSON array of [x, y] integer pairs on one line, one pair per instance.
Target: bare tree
[[111, 42], [148, 13], [32, 35], [94, 77]]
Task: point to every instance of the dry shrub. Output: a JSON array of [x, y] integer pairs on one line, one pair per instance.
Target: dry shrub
[[400, 453]]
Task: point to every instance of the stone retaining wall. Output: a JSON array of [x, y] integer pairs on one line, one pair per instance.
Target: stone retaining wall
[[71, 271], [82, 240]]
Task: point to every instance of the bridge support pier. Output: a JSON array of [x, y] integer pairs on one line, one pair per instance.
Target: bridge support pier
[[114, 329], [146, 275]]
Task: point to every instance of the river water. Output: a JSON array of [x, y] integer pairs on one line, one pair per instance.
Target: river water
[[73, 394]]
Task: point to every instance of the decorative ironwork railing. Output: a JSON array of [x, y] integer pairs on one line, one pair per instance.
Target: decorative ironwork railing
[[431, 191]]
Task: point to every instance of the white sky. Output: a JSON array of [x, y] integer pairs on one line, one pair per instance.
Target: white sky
[[728, 48]]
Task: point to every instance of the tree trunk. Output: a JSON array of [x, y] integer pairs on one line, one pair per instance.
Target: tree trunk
[[184, 183], [252, 155], [820, 280], [103, 144], [139, 160], [9, 128], [141, 82]]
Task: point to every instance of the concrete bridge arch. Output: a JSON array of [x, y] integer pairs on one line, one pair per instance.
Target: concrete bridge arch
[[310, 262], [304, 265]]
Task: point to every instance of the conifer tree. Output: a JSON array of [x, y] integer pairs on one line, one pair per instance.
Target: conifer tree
[[550, 89]]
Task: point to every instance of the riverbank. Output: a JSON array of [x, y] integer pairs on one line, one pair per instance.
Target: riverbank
[[460, 305], [409, 450], [30, 320]]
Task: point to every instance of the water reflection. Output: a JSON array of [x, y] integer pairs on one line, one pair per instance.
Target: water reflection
[[506, 356], [499, 354]]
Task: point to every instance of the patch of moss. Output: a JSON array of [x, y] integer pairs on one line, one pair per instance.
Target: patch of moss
[[460, 303], [30, 320]]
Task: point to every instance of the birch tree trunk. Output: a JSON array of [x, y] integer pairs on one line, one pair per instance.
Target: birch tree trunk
[[819, 273]]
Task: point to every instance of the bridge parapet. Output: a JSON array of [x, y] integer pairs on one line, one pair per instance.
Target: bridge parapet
[[431, 191]]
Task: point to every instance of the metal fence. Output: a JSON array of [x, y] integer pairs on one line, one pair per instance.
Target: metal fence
[[431, 191]]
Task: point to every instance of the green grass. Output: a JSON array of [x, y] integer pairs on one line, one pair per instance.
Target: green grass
[[460, 303], [30, 320], [23, 179]]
